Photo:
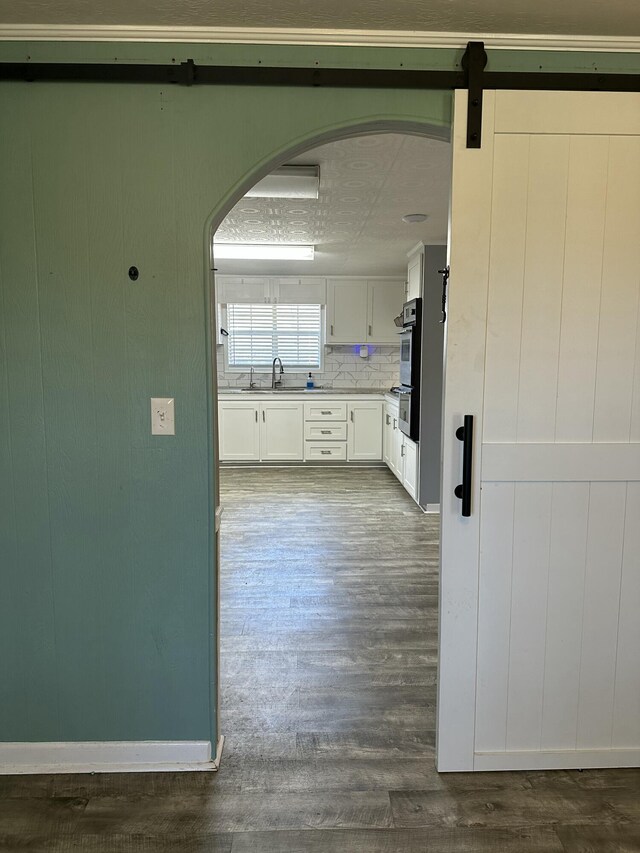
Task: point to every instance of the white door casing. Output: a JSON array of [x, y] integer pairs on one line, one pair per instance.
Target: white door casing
[[540, 586]]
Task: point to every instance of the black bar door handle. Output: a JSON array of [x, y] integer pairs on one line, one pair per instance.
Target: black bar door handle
[[463, 491]]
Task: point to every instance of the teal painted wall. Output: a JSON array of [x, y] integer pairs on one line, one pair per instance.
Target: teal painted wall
[[107, 607]]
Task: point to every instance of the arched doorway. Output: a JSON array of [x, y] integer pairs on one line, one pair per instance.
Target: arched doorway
[[282, 157]]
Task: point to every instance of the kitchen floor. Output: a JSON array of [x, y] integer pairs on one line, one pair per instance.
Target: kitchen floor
[[329, 626]]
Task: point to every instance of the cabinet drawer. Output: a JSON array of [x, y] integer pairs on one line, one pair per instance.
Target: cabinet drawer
[[328, 412], [325, 432], [325, 450]]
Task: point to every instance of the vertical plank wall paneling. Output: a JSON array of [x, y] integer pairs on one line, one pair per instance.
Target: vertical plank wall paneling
[[114, 580], [68, 377], [565, 602], [107, 610], [626, 726], [620, 297], [27, 628], [504, 312], [557, 648], [600, 614]]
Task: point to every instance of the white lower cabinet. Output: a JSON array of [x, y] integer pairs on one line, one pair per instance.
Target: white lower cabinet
[[325, 431], [387, 435], [239, 432], [410, 466], [261, 432], [326, 451], [397, 459], [400, 453], [364, 432], [281, 432], [392, 440]]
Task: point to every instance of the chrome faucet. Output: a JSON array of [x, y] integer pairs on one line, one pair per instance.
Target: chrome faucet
[[275, 383], [252, 384]]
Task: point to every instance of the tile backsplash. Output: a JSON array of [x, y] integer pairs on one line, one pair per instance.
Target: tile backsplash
[[343, 368]]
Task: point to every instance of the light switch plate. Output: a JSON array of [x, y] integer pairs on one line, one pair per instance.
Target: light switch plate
[[163, 420]]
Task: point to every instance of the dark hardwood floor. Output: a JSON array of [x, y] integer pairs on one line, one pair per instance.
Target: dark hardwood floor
[[329, 627]]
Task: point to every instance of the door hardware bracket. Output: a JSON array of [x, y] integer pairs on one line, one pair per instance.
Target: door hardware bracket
[[445, 278], [474, 61]]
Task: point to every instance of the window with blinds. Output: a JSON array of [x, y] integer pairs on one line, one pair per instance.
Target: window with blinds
[[259, 333]]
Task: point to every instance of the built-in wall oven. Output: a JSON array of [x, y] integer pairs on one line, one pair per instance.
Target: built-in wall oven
[[410, 357]]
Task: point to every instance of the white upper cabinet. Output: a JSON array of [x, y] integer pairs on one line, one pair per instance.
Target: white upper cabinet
[[361, 310], [299, 291], [346, 310], [385, 299], [414, 275], [242, 289], [306, 290]]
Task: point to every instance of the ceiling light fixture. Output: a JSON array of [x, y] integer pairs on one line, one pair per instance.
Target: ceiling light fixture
[[415, 217], [288, 182], [262, 252]]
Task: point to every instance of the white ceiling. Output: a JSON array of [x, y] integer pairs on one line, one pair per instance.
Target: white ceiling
[[367, 184], [586, 17]]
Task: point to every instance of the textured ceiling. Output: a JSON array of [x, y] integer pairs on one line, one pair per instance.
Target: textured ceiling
[[584, 17], [367, 184]]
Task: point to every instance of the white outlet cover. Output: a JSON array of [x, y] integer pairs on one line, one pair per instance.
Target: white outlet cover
[[163, 420]]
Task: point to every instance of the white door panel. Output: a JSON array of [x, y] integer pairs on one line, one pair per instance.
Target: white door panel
[[540, 585]]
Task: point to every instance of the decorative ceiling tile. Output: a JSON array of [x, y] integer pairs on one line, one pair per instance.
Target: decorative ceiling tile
[[367, 184]]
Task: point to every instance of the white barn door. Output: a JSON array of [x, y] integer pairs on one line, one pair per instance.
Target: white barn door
[[540, 593]]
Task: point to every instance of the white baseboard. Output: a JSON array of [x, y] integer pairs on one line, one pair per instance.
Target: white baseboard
[[557, 759], [432, 508], [108, 756]]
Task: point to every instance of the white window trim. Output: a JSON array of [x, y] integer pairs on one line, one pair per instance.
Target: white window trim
[[265, 370]]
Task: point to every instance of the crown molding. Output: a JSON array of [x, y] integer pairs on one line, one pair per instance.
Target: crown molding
[[352, 38]]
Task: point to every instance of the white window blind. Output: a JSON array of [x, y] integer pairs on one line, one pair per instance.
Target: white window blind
[[259, 333]]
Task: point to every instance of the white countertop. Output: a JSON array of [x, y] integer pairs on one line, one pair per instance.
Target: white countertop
[[299, 393]]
